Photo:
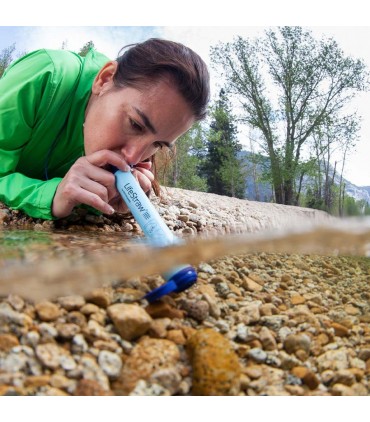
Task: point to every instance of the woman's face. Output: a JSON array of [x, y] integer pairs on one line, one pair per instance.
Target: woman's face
[[134, 123]]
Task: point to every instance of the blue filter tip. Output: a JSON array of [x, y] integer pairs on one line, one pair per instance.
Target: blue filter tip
[[179, 281]]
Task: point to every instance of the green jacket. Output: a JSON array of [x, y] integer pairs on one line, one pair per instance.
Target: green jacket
[[43, 97]]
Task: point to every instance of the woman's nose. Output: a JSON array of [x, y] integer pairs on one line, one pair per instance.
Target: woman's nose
[[136, 152]]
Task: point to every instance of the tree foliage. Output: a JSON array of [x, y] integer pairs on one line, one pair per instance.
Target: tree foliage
[[86, 48], [289, 85], [181, 167], [6, 57], [222, 165]]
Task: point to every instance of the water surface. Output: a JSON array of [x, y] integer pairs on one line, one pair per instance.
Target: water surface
[[46, 264]]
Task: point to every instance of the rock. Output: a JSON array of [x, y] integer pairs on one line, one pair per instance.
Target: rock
[[101, 297], [130, 320], [294, 342], [216, 368], [333, 359], [274, 322], [4, 216], [257, 355], [197, 309], [251, 285], [307, 376], [342, 390], [14, 362], [206, 268], [8, 315], [47, 311], [267, 339], [344, 376], [253, 371], [62, 382], [16, 302], [158, 327], [67, 330], [89, 308], [47, 331], [92, 371], [7, 342], [297, 300], [86, 387], [53, 356], [147, 357], [268, 309], [163, 310], [37, 381], [252, 312], [339, 329], [176, 336], [145, 388], [364, 353], [110, 363], [167, 378], [77, 318], [71, 303]]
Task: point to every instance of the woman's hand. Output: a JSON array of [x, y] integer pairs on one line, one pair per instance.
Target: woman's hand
[[87, 182], [145, 178]]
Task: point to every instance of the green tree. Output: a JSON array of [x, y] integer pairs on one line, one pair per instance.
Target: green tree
[[86, 48], [181, 167], [289, 84], [222, 166]]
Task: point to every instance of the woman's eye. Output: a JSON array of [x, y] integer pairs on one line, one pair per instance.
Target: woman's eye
[[135, 125], [158, 145]]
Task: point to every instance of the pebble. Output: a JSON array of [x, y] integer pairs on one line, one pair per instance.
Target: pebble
[[92, 371], [110, 363], [295, 342], [47, 311], [87, 387], [144, 388], [147, 357], [267, 339], [130, 320], [251, 285], [307, 376], [197, 309], [216, 367], [71, 303], [163, 310], [7, 342], [49, 355], [101, 297], [257, 355]]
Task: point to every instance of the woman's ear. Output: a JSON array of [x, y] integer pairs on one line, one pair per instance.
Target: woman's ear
[[104, 79]]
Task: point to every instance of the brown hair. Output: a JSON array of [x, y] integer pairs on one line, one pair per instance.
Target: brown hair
[[154, 59]]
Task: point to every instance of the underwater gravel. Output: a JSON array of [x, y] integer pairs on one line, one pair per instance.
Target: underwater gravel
[[255, 324]]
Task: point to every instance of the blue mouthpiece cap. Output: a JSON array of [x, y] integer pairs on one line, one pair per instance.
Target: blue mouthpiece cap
[[180, 281]]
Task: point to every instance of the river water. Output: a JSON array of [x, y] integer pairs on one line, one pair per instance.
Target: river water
[[46, 264]]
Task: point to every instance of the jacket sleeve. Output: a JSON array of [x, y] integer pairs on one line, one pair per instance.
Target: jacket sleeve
[[25, 95]]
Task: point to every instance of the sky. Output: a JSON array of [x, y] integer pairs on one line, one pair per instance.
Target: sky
[[352, 33]]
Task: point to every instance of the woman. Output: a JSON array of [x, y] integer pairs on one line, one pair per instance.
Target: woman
[[65, 119]]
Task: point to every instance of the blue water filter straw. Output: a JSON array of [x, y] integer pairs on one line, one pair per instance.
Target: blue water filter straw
[[155, 229]]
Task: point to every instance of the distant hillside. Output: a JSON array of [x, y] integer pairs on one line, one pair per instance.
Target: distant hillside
[[263, 191]]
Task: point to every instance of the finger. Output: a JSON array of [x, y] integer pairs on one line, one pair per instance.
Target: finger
[[144, 181], [96, 188], [103, 157], [144, 164], [119, 204], [144, 172], [95, 201]]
